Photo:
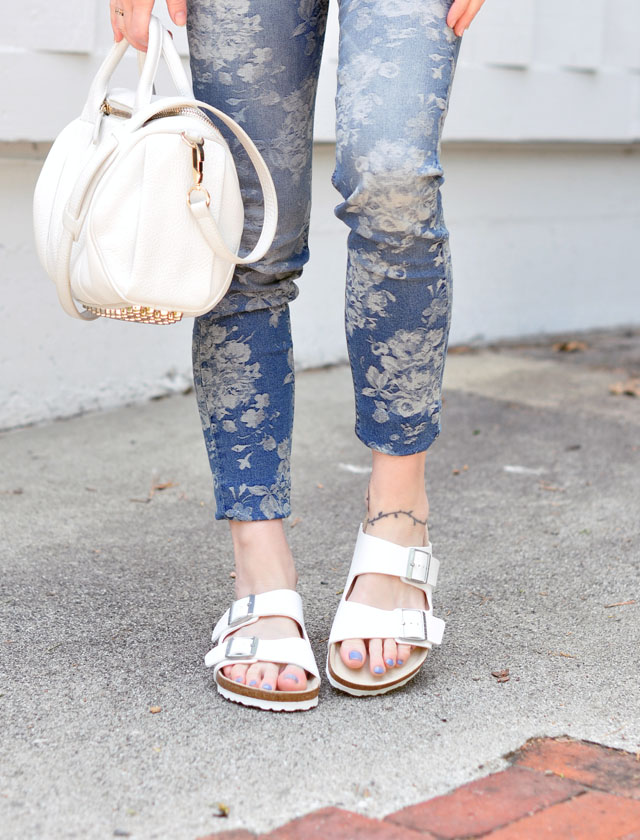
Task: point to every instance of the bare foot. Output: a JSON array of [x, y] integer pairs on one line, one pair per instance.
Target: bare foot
[[402, 524], [264, 563], [268, 675]]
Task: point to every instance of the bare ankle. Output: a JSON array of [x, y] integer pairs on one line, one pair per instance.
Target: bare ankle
[[263, 558], [412, 505], [400, 517]]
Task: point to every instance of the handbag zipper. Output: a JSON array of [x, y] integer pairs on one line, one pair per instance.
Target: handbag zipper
[[109, 109], [177, 110]]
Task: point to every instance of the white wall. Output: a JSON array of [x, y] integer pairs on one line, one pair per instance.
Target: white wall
[[528, 69], [543, 234]]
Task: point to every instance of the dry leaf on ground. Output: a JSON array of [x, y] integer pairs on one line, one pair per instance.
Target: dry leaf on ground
[[570, 346], [502, 675], [630, 388], [545, 485]]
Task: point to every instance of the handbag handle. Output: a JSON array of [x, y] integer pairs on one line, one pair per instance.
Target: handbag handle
[[207, 223], [160, 45]]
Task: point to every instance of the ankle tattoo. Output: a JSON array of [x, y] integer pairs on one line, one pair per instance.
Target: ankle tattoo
[[395, 513]]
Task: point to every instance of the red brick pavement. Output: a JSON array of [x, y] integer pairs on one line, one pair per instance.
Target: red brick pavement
[[555, 788]]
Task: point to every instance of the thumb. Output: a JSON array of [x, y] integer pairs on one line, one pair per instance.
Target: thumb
[[177, 11]]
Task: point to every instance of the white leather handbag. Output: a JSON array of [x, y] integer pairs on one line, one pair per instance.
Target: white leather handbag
[[137, 210]]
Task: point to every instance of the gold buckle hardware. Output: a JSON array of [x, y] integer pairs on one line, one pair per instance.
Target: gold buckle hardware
[[197, 162]]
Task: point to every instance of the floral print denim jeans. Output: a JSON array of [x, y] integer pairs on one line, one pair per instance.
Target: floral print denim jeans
[[258, 60]]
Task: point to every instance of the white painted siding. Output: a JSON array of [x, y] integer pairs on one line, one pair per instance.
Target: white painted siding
[[543, 233], [529, 69]]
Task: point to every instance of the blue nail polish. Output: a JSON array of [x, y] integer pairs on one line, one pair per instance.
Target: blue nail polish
[[390, 662], [378, 669], [355, 654], [253, 682], [239, 679], [291, 677], [400, 662], [266, 686]]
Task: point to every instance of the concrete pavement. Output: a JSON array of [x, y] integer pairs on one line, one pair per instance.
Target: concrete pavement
[[109, 590]]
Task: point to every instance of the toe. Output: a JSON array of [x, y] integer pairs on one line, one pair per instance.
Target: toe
[[270, 677], [353, 653], [376, 662], [403, 654], [292, 678], [389, 652], [254, 674], [238, 673]]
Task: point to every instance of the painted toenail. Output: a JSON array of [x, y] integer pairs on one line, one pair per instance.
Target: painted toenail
[[390, 662], [266, 686], [355, 654], [378, 669], [400, 662], [239, 679], [291, 677], [253, 682]]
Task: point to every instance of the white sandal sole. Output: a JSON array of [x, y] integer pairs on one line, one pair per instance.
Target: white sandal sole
[[270, 700], [360, 682]]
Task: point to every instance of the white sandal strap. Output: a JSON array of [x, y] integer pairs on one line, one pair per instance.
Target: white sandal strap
[[407, 626], [245, 611], [249, 649], [414, 564]]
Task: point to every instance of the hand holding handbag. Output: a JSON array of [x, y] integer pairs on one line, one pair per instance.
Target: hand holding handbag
[[137, 210]]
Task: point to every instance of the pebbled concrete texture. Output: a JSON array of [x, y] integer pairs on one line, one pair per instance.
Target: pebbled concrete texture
[[109, 592]]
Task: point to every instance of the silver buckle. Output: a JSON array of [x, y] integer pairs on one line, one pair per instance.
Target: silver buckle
[[414, 625], [418, 567], [248, 613], [247, 647]]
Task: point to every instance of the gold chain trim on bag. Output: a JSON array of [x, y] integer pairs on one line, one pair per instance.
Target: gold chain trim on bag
[[138, 314]]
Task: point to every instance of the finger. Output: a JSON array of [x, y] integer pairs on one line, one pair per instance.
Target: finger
[[177, 11], [115, 23], [465, 19], [122, 10], [137, 24], [455, 11]]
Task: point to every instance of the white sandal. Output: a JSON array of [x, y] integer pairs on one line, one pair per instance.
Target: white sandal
[[231, 649], [414, 565]]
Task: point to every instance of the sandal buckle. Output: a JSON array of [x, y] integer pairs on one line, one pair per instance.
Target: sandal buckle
[[414, 625], [248, 603], [418, 567], [241, 647]]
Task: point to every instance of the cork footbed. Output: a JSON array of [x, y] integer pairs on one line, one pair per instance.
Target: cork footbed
[[311, 691], [363, 680]]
